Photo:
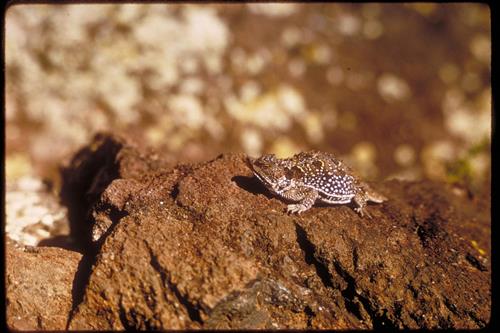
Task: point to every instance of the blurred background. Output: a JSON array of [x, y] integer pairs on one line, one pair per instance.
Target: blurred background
[[396, 90]]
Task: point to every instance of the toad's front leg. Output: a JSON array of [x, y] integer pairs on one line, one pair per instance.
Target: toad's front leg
[[305, 196], [360, 201]]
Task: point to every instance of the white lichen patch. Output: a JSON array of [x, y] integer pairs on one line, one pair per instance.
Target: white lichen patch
[[469, 125], [192, 86], [329, 118], [291, 36], [297, 67], [363, 156], [348, 25], [109, 58], [321, 54], [17, 165], [32, 213], [252, 142], [187, 110], [275, 109], [435, 156], [393, 88], [249, 91], [274, 9], [469, 120], [404, 155], [480, 165], [283, 147], [314, 127]]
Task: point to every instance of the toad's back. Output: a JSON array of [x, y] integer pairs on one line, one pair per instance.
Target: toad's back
[[333, 180], [311, 176]]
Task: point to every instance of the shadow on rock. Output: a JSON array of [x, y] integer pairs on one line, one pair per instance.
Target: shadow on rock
[[252, 185]]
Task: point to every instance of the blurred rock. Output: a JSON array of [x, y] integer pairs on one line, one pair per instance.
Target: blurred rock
[[206, 246], [39, 283]]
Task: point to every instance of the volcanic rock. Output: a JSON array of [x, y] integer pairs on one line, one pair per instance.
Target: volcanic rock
[[207, 246]]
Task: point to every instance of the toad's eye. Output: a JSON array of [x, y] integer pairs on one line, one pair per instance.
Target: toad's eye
[[294, 173], [268, 158], [319, 165]]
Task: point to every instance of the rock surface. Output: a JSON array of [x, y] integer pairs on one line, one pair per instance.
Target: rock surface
[[39, 284], [206, 246]]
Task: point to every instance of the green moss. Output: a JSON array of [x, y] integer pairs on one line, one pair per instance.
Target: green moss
[[460, 170]]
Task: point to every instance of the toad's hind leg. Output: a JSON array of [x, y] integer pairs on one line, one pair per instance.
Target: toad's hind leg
[[305, 196], [371, 195], [363, 196]]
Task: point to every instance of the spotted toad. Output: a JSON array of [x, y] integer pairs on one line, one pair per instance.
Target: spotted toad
[[313, 176]]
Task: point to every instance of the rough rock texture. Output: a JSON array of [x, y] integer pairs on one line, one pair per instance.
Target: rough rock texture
[[39, 284], [206, 246], [93, 168]]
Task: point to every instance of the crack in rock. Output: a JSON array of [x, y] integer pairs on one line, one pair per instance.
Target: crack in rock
[[192, 309], [309, 249], [354, 303], [350, 296]]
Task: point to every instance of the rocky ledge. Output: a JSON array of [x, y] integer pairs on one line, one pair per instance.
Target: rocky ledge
[[39, 284], [206, 246]]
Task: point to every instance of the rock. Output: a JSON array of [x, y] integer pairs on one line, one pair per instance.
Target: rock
[[206, 246], [39, 284], [90, 172]]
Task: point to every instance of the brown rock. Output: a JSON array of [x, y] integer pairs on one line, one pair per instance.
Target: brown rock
[[206, 246], [39, 284], [90, 172]]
